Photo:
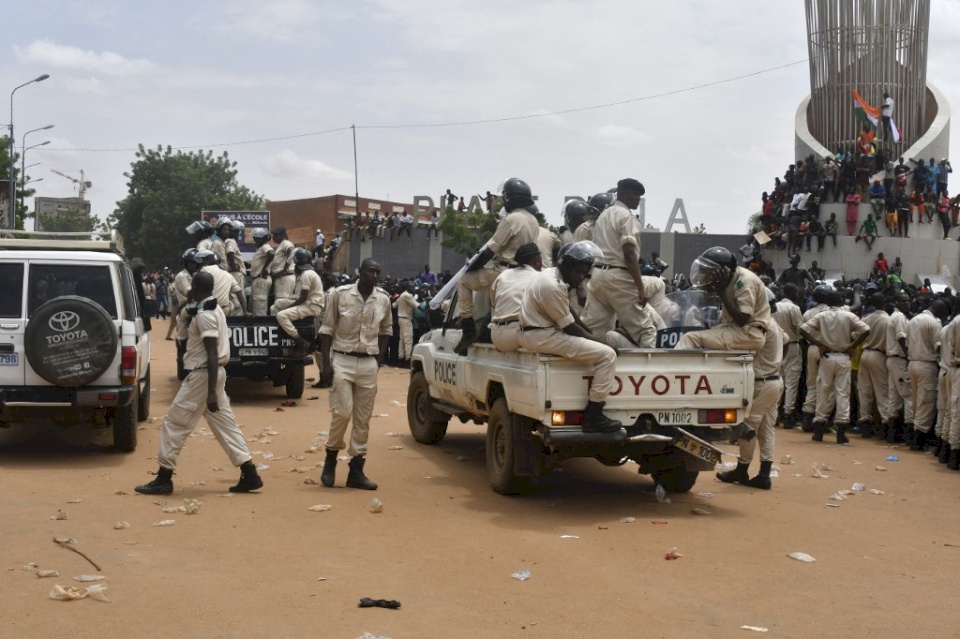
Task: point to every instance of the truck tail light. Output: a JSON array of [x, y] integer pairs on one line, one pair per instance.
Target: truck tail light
[[566, 417], [718, 416], [128, 365]]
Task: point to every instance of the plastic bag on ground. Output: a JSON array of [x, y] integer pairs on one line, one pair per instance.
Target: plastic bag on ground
[[802, 556], [522, 575]]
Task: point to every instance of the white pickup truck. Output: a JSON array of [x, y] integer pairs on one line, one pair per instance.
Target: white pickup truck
[[672, 403]]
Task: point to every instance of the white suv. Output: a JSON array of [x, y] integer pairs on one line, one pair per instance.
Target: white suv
[[74, 341]]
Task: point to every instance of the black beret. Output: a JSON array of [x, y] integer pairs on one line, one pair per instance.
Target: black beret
[[632, 185], [526, 253]]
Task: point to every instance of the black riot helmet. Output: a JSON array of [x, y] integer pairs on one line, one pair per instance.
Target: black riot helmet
[[822, 294], [206, 258], [597, 203], [713, 269], [516, 194], [188, 261], [260, 235], [574, 213], [302, 260]]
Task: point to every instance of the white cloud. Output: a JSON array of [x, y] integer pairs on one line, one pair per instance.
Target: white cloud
[[56, 55], [287, 164], [279, 20], [616, 135]]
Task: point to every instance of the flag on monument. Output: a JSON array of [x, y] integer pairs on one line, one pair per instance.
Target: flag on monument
[[866, 113]]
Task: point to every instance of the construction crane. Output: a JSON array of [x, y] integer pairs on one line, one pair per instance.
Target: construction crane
[[82, 185]]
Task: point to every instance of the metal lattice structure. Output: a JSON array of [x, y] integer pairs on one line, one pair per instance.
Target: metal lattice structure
[[872, 46]]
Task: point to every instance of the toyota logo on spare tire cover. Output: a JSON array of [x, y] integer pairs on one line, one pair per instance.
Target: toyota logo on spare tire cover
[[71, 341], [64, 321]]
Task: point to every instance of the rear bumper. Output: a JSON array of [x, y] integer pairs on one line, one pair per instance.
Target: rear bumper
[[41, 400]]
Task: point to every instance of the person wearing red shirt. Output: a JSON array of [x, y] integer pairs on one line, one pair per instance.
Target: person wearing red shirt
[[853, 209], [880, 265]]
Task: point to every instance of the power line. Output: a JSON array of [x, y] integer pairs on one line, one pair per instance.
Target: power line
[[513, 118]]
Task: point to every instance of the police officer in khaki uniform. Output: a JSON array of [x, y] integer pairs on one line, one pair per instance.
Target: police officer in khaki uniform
[[308, 304], [786, 313], [821, 297], [405, 304], [229, 295], [357, 326], [872, 379], [923, 348], [202, 234], [548, 326], [235, 265], [836, 333], [180, 288], [898, 382], [506, 296], [282, 271], [944, 405], [202, 394], [517, 228], [259, 273], [224, 229], [952, 452], [615, 291], [743, 297]]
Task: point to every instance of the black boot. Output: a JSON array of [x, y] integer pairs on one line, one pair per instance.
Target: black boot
[[841, 435], [249, 479], [738, 475], [162, 485], [890, 431], [762, 480], [356, 478], [818, 430], [808, 422], [789, 421], [467, 337], [954, 462], [594, 421], [918, 442], [329, 474], [908, 435], [945, 453], [866, 430]]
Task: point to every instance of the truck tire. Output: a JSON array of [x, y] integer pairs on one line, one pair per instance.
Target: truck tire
[[501, 441], [676, 480], [143, 405], [124, 422], [426, 425], [296, 381], [70, 341]]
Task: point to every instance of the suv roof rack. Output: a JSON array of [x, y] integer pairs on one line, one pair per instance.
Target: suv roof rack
[[108, 241]]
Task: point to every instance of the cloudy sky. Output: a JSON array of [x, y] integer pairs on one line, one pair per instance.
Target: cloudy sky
[[278, 83]]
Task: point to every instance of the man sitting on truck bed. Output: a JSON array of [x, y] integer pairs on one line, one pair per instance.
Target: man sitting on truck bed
[[506, 295], [547, 326], [308, 304]]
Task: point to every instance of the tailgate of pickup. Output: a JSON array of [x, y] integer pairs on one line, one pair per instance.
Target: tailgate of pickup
[[262, 337]]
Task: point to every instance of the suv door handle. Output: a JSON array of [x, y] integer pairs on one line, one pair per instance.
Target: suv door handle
[[10, 326]]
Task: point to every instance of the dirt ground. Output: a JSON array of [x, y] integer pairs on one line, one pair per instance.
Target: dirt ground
[[445, 545]]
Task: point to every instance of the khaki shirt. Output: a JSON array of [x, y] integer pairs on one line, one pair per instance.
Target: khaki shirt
[[224, 286], [923, 338], [548, 243], [896, 330], [836, 329], [207, 324], [750, 295], [506, 293], [220, 248], [357, 324], [232, 248], [946, 347], [768, 359], [584, 231], [519, 227], [546, 302], [205, 244], [789, 319], [877, 341], [310, 282], [259, 260], [616, 226], [278, 266], [814, 311], [405, 305], [181, 286], [953, 328]]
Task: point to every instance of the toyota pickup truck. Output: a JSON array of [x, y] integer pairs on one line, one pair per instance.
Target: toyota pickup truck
[[673, 403], [260, 350]]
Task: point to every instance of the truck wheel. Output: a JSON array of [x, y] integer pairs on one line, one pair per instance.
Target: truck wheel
[[295, 382], [143, 405], [124, 421], [501, 441], [675, 480], [70, 341], [426, 424]]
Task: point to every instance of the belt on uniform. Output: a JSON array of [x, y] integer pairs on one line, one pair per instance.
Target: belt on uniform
[[505, 264], [354, 354], [769, 378], [198, 368], [506, 322], [524, 329], [604, 267]]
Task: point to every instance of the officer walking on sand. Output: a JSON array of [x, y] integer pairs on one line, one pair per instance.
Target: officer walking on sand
[[356, 330], [202, 394]]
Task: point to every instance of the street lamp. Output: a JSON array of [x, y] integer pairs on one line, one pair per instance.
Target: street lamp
[[11, 222], [23, 156]]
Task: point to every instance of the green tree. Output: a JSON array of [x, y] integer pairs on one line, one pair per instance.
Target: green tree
[[20, 212], [700, 229], [68, 221], [167, 190], [467, 232]]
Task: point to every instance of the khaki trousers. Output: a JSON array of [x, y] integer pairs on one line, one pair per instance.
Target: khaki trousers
[[184, 413], [603, 359], [288, 316], [612, 296], [762, 418], [259, 292], [898, 384], [283, 288], [405, 347], [479, 280], [943, 403], [833, 388], [281, 304], [953, 437], [923, 389], [813, 366], [790, 369], [725, 337], [506, 338], [352, 396], [873, 386]]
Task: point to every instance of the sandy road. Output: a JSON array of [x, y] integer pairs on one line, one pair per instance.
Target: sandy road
[[445, 545]]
